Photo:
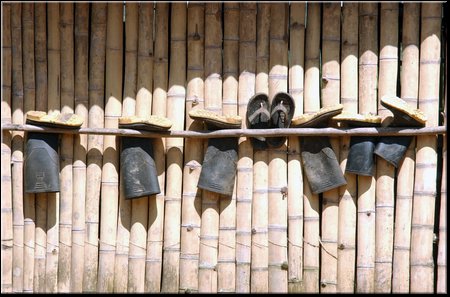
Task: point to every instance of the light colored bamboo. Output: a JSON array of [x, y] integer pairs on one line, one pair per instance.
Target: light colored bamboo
[[176, 96], [139, 207], [331, 30], [311, 104], [348, 193], [422, 263], [6, 191], [128, 109], [209, 230], [277, 224], [110, 176], [191, 203], [244, 176], [17, 149], [40, 52], [295, 175], [66, 151], [226, 262], [153, 265], [368, 66], [94, 144], [81, 87], [28, 104], [384, 207], [259, 253]]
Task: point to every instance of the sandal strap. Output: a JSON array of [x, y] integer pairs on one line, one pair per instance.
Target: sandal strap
[[280, 107], [261, 110]]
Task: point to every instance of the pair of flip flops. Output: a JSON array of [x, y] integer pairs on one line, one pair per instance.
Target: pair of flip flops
[[54, 119], [262, 115]]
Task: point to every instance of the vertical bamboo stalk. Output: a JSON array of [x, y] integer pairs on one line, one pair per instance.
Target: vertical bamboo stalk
[[40, 52], [368, 66], [54, 104], [295, 176], [209, 230], [156, 203], [331, 30], [409, 84], [277, 225], [441, 286], [259, 252], [94, 143], [422, 264], [348, 193], [244, 185], [80, 145], [66, 154], [110, 176], [128, 109], [384, 224], [311, 104], [7, 214], [226, 269], [191, 204], [29, 104], [139, 207], [176, 97], [17, 148]]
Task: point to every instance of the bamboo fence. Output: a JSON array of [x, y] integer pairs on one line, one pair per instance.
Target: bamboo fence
[[384, 234]]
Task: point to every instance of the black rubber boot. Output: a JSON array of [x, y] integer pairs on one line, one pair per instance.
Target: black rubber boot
[[138, 168], [41, 163], [393, 149], [360, 158], [320, 164], [219, 166]]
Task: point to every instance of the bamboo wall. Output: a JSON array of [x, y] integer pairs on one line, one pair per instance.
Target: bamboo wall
[[385, 233]]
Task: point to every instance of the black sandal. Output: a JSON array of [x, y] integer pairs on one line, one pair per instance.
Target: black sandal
[[258, 117], [282, 111]]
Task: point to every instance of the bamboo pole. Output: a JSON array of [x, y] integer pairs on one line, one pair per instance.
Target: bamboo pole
[[384, 223], [128, 109], [259, 252], [139, 207], [244, 184], [409, 83], [176, 97], [29, 209], [348, 193], [17, 149], [311, 104], [331, 30], [368, 65], [80, 145], [110, 176], [209, 230], [153, 265], [40, 52], [66, 153], [226, 270], [6, 191], [295, 176], [191, 203], [441, 286], [54, 105], [277, 224], [422, 263], [94, 144]]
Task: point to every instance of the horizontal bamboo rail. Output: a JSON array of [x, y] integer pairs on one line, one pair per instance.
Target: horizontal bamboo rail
[[379, 131]]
